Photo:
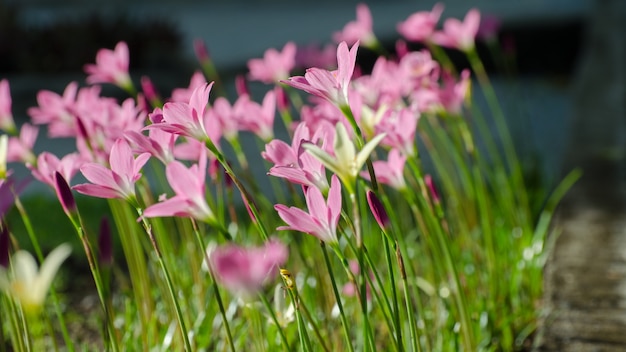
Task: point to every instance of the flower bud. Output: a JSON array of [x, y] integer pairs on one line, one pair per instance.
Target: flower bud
[[378, 210], [64, 193]]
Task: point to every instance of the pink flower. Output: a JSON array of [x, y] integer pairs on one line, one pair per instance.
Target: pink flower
[[245, 271], [7, 123], [183, 95], [187, 119], [312, 55], [360, 30], [453, 93], [293, 163], [158, 143], [274, 66], [419, 27], [390, 172], [20, 148], [256, 118], [323, 216], [457, 34], [119, 180], [400, 126], [111, 67], [189, 186], [330, 85], [48, 164], [56, 111]]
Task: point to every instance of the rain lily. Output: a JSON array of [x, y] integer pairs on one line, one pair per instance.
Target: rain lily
[[390, 172], [158, 143], [256, 118], [20, 148], [419, 27], [361, 30], [323, 216], [183, 95], [111, 67], [25, 284], [346, 163], [189, 186], [330, 85], [457, 34], [48, 164], [244, 271], [187, 119], [274, 66], [119, 180]]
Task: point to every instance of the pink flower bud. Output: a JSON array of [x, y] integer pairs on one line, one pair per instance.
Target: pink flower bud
[[431, 188], [378, 210], [64, 193], [201, 51]]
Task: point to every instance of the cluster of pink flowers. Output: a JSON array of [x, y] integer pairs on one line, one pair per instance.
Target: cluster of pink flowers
[[115, 140]]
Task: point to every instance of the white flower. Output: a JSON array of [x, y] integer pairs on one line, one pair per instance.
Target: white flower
[[347, 162], [28, 285]]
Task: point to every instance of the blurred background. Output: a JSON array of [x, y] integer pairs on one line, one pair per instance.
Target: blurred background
[[552, 44]]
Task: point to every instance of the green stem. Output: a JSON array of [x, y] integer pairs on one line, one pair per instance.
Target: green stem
[[168, 281], [218, 296], [342, 314], [281, 333], [394, 295]]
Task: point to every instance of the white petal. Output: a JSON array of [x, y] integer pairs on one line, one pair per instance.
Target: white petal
[[50, 267], [24, 267], [368, 149]]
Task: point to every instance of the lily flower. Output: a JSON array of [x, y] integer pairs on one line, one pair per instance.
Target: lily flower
[[330, 85], [323, 216], [346, 163], [111, 67], [189, 186], [25, 284], [419, 27], [457, 34], [274, 66], [119, 180], [360, 30]]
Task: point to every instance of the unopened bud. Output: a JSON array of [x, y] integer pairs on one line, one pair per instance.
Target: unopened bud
[[282, 100], [378, 210], [428, 180], [241, 86], [64, 193], [201, 51]]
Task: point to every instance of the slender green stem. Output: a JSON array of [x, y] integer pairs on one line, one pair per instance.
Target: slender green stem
[[218, 296], [272, 314], [394, 295], [342, 314], [168, 281], [415, 337]]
